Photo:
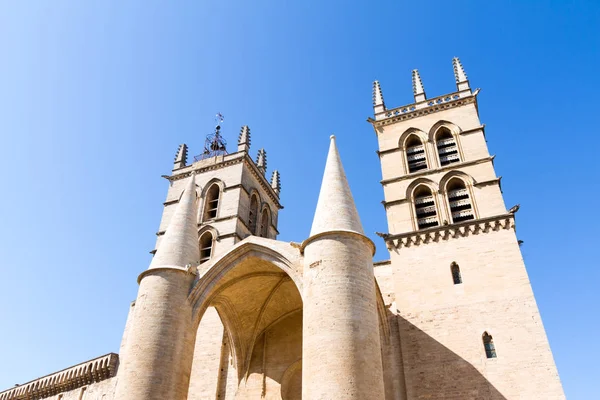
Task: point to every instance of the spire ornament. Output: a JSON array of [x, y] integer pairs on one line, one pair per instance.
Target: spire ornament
[[417, 84], [261, 161], [378, 102], [181, 157], [215, 144], [244, 139], [276, 182], [462, 82]]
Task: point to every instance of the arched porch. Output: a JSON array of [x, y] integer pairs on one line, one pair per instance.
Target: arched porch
[[248, 309]]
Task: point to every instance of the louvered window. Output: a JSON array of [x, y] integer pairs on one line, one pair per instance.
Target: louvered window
[[460, 202], [211, 204], [415, 154], [488, 345], [425, 208], [206, 244], [446, 147]]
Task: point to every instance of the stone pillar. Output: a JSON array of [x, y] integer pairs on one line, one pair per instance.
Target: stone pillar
[[341, 355], [160, 343], [160, 337]]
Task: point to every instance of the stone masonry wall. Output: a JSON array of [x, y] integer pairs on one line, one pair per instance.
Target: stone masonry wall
[[441, 323]]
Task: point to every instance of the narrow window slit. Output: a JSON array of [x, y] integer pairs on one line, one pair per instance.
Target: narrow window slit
[[488, 345], [456, 277]]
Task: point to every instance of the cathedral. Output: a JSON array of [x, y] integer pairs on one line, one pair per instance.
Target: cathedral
[[227, 311]]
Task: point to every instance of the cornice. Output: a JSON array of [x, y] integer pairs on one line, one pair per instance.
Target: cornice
[[200, 169], [262, 181], [453, 231], [85, 373], [426, 107], [436, 170]]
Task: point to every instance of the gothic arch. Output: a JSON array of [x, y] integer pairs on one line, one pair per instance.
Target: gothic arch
[[254, 208], [468, 179], [237, 280], [206, 287], [411, 131], [203, 196], [454, 129], [420, 181], [468, 182], [209, 228]]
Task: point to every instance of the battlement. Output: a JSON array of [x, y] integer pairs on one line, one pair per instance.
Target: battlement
[[85, 373]]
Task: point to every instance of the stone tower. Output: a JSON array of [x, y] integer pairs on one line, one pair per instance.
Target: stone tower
[[237, 198], [463, 296], [212, 204]]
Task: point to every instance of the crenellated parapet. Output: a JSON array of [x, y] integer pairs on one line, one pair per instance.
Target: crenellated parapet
[[85, 373]]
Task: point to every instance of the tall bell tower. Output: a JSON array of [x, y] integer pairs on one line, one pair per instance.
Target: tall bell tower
[[463, 297]]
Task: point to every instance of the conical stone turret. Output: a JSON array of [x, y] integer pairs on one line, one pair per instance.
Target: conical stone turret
[[341, 355], [335, 209], [179, 246], [160, 340]]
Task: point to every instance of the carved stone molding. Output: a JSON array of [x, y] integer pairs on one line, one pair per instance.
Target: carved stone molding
[[447, 232], [88, 372]]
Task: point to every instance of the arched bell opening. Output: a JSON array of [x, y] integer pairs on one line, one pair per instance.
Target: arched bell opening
[[250, 328]]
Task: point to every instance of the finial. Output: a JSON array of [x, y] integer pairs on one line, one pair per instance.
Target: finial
[[417, 84], [261, 161], [378, 103], [214, 144], [332, 137], [180, 157], [462, 82], [244, 139], [276, 182]]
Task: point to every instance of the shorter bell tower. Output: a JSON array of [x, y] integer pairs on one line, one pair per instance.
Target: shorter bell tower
[[236, 199]]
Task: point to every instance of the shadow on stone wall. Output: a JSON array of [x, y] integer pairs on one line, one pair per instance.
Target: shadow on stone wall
[[432, 371]]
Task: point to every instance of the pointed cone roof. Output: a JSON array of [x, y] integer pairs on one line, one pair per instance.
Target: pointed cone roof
[[459, 71], [335, 209], [179, 247]]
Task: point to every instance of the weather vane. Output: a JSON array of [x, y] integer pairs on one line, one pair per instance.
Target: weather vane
[[214, 145]]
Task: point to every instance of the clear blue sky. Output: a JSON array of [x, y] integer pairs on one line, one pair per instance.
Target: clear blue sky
[[95, 97]]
